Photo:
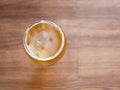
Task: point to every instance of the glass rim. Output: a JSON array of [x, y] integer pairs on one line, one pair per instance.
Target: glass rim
[[49, 57]]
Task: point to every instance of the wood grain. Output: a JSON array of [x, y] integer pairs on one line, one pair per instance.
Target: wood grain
[[92, 59]]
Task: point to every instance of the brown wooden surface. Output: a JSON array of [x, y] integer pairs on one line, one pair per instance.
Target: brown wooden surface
[[92, 59]]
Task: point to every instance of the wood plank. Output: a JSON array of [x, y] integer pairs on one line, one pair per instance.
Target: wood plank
[[91, 61]]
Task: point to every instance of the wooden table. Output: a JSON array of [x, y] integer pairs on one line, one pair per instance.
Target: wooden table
[[92, 58]]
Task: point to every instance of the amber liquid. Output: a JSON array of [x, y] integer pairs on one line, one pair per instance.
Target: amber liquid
[[43, 41]]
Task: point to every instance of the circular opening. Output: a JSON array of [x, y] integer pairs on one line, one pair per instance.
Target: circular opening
[[44, 40]]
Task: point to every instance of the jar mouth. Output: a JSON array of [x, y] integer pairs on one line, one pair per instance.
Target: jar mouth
[[30, 53]]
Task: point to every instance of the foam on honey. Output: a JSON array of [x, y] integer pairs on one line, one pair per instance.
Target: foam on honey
[[44, 40]]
